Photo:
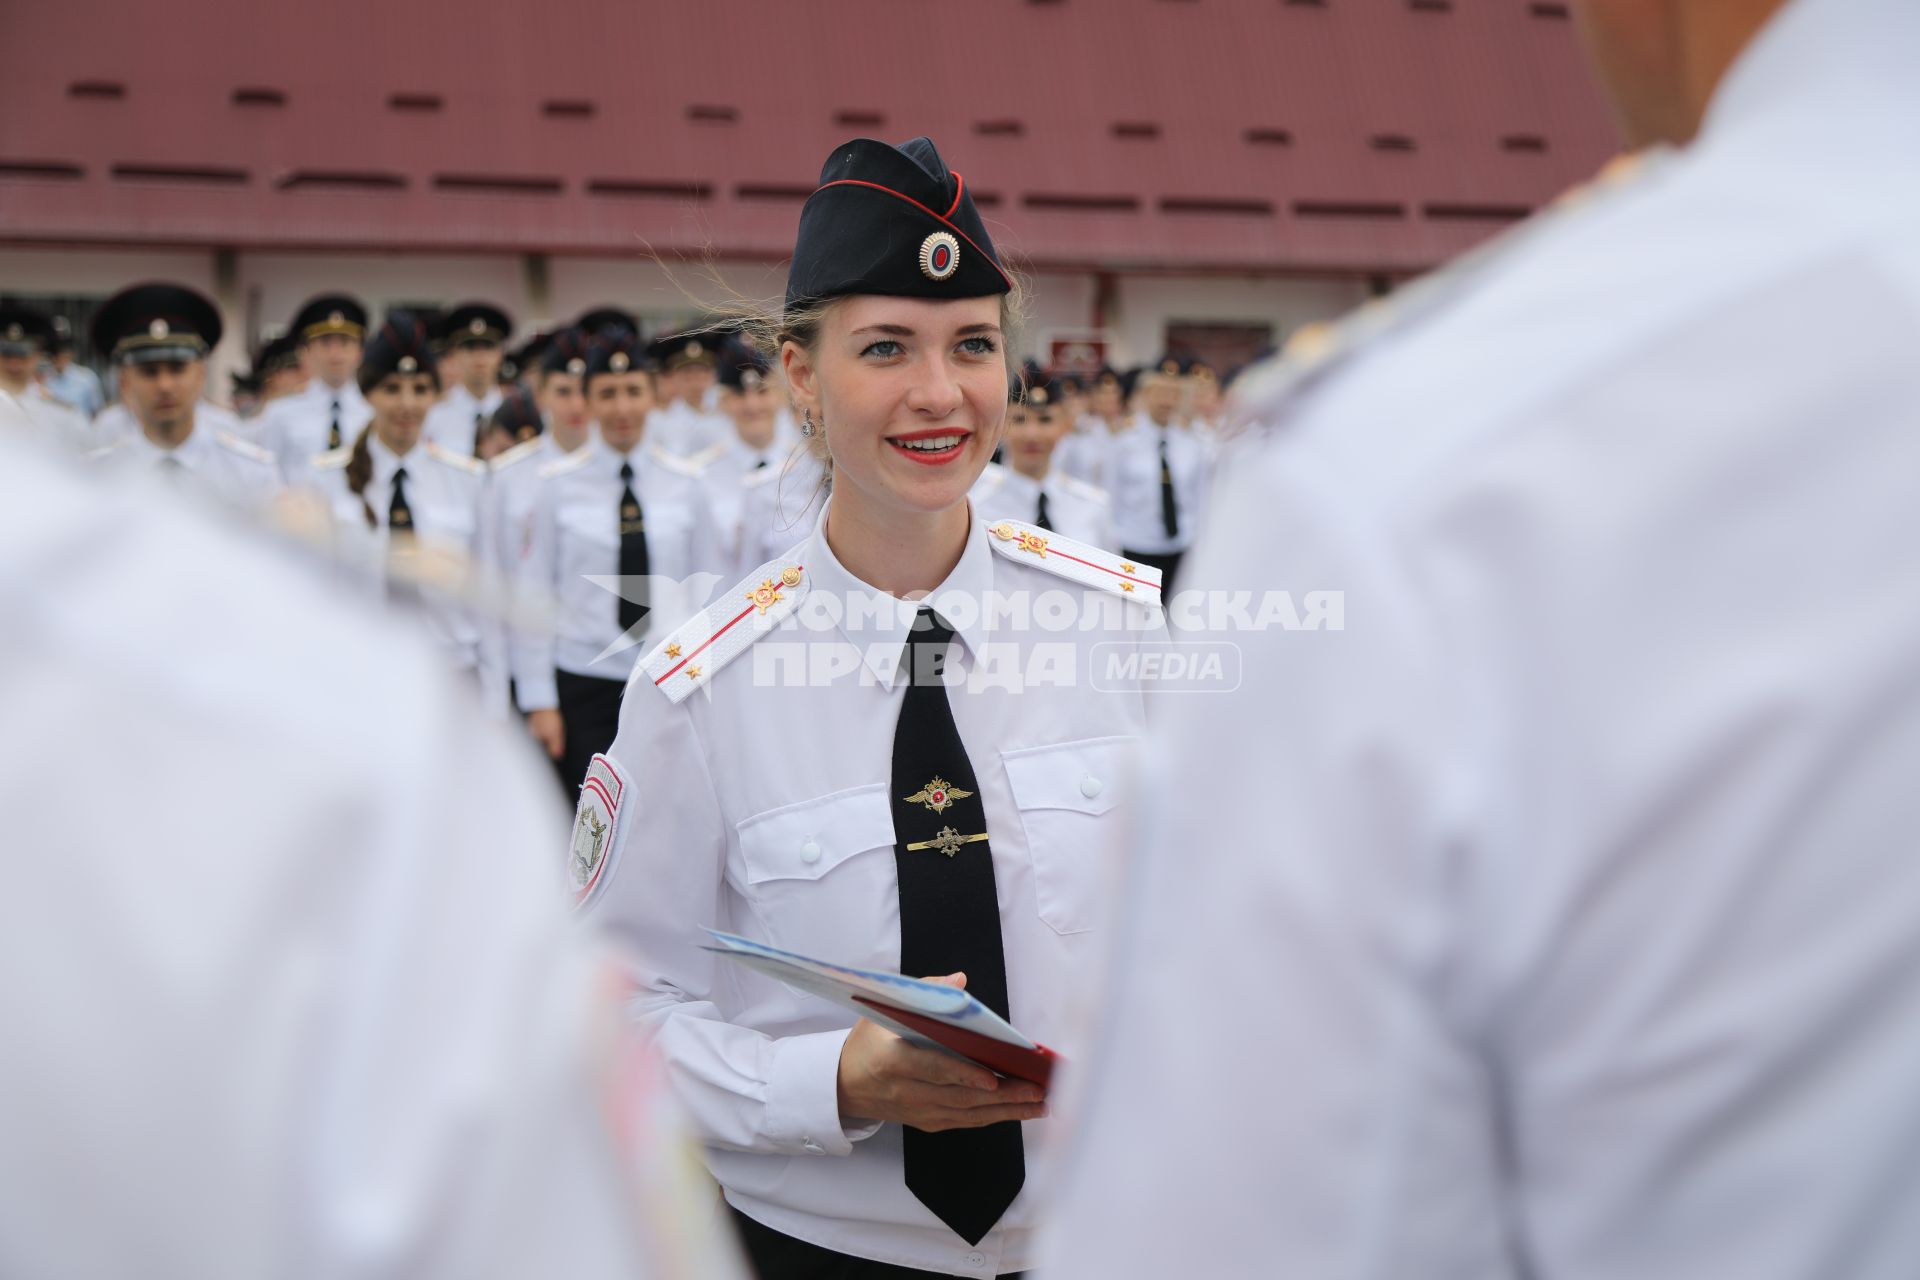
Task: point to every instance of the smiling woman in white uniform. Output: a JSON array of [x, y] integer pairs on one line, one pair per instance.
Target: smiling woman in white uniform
[[402, 507], [846, 756]]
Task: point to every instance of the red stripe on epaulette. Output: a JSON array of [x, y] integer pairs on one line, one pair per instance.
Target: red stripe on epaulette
[[704, 645], [1055, 551]]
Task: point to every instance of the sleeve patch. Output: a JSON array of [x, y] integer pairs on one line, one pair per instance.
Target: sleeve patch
[[596, 830]]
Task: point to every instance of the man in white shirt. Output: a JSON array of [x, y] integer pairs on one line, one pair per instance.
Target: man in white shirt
[[683, 424], [1559, 916], [66, 379], [617, 533], [759, 453], [24, 334], [1157, 474], [330, 414], [473, 335], [284, 992], [159, 336]]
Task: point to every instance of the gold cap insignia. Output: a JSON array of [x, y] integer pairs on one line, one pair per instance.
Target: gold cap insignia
[[939, 256], [15, 333], [618, 362], [1170, 366], [335, 317], [1038, 395], [693, 349], [158, 329], [408, 364], [750, 380], [576, 366], [476, 325]]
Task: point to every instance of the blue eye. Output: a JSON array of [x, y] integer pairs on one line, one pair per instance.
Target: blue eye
[[978, 346], [892, 349]]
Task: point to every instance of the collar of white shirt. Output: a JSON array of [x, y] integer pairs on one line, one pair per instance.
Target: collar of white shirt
[[386, 461], [1818, 48], [879, 633], [190, 453]]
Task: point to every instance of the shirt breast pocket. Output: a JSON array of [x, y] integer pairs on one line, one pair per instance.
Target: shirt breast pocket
[[582, 525], [820, 877], [1069, 796]]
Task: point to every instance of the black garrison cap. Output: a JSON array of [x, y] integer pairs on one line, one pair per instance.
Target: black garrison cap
[[616, 350], [403, 344], [155, 322], [892, 221], [475, 322]]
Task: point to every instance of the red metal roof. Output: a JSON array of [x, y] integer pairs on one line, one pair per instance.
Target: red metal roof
[[1380, 135]]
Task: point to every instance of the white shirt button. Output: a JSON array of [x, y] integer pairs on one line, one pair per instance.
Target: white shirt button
[[1091, 786], [812, 1146], [975, 1259], [810, 851]]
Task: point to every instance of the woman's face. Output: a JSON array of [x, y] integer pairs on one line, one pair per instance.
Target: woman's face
[[1033, 432], [400, 402], [912, 393]]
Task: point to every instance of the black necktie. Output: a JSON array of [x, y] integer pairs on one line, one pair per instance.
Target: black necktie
[[949, 923], [633, 552], [478, 420], [1040, 516], [1169, 514], [758, 465], [333, 431], [399, 514]]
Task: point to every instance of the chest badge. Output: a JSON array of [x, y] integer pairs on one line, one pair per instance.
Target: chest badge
[[937, 795]]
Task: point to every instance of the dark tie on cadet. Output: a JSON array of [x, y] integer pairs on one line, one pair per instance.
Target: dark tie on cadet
[[1169, 514], [949, 923], [633, 551], [333, 431], [479, 422], [1040, 513]]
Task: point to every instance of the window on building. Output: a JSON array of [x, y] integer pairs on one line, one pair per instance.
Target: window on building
[[1223, 345]]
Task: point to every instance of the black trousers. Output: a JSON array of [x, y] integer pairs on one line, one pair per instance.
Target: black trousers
[[1167, 562], [780, 1257], [590, 712]]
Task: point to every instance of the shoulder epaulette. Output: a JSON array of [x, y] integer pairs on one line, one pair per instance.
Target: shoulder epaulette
[[691, 467], [332, 459], [106, 450], [1075, 561], [458, 461], [519, 453], [562, 465], [1081, 489], [693, 652], [245, 448]]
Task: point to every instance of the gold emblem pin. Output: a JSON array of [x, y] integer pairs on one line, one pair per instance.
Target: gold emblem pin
[[618, 362], [408, 364], [764, 596], [576, 366], [673, 651], [937, 795], [158, 329], [947, 842], [693, 673], [1127, 568], [791, 575], [335, 317]]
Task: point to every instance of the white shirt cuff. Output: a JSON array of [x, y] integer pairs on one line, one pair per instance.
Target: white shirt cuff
[[803, 1096], [537, 693]]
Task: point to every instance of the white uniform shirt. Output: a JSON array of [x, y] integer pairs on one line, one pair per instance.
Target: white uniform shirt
[[761, 806], [726, 477], [454, 423], [776, 506], [1133, 483], [1074, 509], [56, 423], [573, 562], [209, 461], [283, 994], [1086, 453], [687, 432], [297, 428], [506, 528], [1560, 916], [444, 495]]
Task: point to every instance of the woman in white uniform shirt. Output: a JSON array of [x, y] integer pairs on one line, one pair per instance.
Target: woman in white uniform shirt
[[403, 509], [830, 794]]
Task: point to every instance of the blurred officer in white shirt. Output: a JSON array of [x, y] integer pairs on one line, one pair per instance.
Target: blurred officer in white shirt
[[1560, 917], [287, 986]]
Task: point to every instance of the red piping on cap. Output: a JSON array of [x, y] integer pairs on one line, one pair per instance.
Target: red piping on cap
[[856, 182], [959, 185]]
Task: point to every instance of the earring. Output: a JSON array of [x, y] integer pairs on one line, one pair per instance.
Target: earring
[[806, 422]]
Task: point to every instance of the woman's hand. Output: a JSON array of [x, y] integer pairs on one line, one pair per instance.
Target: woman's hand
[[882, 1077], [548, 731]]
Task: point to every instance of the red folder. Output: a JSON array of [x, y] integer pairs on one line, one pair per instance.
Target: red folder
[[1034, 1065]]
